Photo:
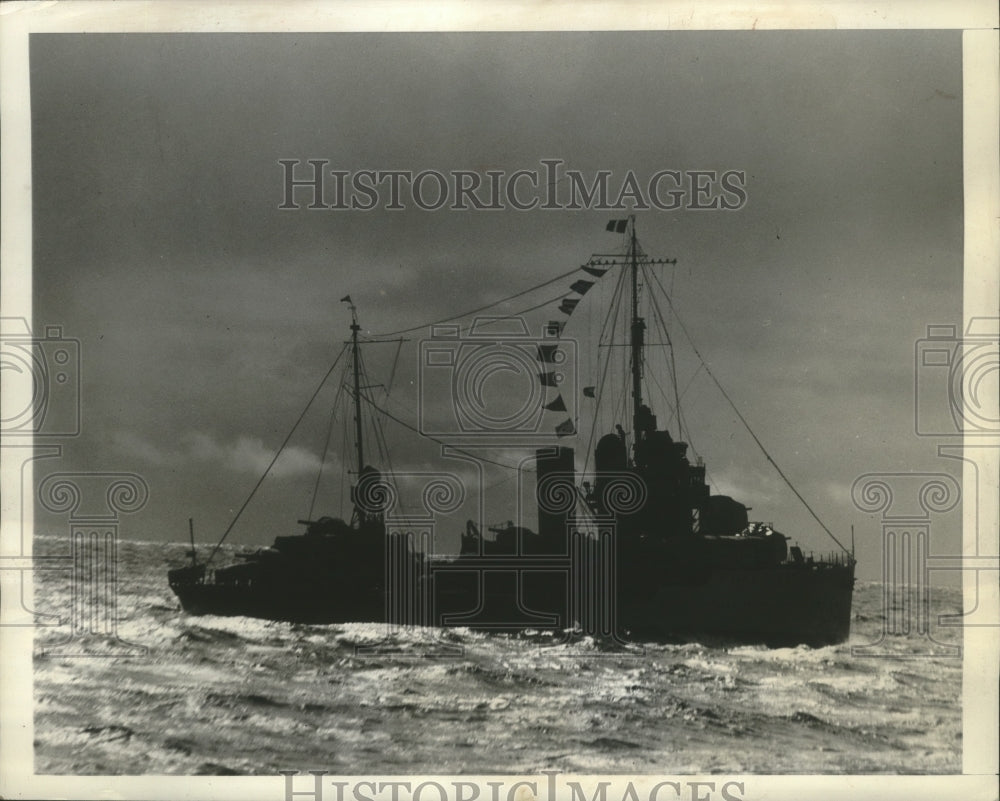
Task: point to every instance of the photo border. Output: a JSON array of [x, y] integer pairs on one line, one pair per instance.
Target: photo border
[[981, 90]]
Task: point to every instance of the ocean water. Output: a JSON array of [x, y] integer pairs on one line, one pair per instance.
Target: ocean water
[[226, 696]]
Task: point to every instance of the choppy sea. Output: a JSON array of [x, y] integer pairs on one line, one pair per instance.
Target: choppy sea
[[226, 696]]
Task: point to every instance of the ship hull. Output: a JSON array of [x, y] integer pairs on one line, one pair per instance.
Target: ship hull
[[289, 604], [781, 605], [778, 605]]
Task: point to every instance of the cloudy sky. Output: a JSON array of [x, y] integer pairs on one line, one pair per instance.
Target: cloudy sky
[[207, 315]]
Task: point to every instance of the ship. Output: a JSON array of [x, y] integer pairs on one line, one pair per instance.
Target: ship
[[633, 546]]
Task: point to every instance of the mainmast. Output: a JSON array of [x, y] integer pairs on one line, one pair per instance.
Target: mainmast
[[637, 335]]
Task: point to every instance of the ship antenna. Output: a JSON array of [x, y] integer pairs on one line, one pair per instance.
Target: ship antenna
[[638, 327], [357, 380], [193, 554]]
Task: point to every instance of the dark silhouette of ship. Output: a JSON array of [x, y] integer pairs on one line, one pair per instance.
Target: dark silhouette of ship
[[637, 549]]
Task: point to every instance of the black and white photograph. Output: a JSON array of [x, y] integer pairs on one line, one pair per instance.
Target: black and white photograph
[[475, 405]]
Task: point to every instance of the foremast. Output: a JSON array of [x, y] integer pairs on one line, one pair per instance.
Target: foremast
[[367, 495], [357, 385]]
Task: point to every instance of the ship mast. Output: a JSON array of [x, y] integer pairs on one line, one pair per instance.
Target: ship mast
[[357, 384], [637, 335]]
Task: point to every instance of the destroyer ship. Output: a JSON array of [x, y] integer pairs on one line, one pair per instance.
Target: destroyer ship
[[634, 547]]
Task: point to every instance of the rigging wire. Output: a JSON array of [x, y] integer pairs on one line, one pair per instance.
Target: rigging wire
[[747, 425], [519, 312], [661, 319], [378, 430], [488, 305], [343, 450], [666, 400], [416, 430], [274, 459], [373, 420], [612, 318], [392, 373], [326, 450]]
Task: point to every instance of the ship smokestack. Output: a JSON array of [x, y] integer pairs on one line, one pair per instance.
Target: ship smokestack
[[555, 494], [610, 458]]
